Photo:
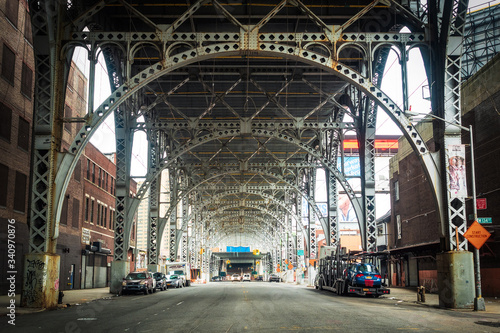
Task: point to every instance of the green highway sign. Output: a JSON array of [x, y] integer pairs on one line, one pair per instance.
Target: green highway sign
[[484, 220]]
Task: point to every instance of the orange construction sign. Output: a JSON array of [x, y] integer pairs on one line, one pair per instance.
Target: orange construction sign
[[477, 235], [290, 266]]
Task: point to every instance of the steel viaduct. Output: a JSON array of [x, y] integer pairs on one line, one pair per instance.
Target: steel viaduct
[[241, 103]]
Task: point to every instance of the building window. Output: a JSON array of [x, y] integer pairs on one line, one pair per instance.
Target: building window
[[76, 213], [98, 222], [396, 190], [99, 177], [4, 182], [398, 224], [12, 10], [88, 169], [81, 88], [93, 173], [112, 219], [77, 174], [103, 224], [92, 211], [64, 211], [20, 192], [107, 176], [8, 64], [5, 122], [87, 209], [68, 113], [23, 134], [28, 33], [380, 230], [105, 215], [27, 81]]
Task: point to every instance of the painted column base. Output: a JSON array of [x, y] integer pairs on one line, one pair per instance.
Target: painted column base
[[119, 270], [40, 280], [456, 279]]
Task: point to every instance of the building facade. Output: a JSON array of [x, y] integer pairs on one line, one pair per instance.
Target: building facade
[[414, 227]]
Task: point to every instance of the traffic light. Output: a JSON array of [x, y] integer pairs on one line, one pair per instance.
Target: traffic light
[[256, 252]]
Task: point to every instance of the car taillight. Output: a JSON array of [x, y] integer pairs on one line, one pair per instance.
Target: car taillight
[[378, 277], [359, 275]]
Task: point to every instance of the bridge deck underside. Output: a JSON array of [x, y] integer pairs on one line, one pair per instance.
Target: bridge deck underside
[[269, 93]]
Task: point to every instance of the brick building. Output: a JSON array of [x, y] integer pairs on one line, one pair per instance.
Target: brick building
[[16, 110], [89, 207]]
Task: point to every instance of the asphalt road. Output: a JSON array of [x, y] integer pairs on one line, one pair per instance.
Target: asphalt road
[[249, 307]]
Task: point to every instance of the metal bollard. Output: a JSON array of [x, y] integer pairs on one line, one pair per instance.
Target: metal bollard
[[421, 294], [60, 297]]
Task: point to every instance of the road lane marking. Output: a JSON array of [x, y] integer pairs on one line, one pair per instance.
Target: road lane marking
[[180, 303]]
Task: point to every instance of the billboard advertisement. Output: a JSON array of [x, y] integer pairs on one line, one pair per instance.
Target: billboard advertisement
[[352, 168], [457, 184]]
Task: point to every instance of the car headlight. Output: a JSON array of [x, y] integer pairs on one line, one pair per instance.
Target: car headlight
[[143, 282], [124, 283]]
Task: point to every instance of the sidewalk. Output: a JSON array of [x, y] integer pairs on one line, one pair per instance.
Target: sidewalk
[[71, 297], [409, 295]]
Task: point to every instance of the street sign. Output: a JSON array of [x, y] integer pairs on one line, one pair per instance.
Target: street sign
[[477, 235], [290, 266], [485, 220], [85, 236], [481, 203], [300, 252]]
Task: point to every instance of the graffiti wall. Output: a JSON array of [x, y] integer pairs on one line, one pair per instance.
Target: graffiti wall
[[41, 280]]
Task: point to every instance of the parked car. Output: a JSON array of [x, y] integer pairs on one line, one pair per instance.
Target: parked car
[[161, 280], [246, 277], [274, 277], [259, 278], [235, 277], [364, 275], [174, 281], [138, 281], [216, 278]]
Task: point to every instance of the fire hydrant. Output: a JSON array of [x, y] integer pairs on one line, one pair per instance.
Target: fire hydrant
[[421, 294]]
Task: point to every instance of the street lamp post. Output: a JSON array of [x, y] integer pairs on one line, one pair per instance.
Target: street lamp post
[[479, 300]]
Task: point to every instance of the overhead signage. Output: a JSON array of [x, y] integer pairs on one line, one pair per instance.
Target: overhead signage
[[477, 235], [300, 252]]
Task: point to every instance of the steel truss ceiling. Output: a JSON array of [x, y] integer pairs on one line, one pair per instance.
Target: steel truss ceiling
[[263, 103]]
